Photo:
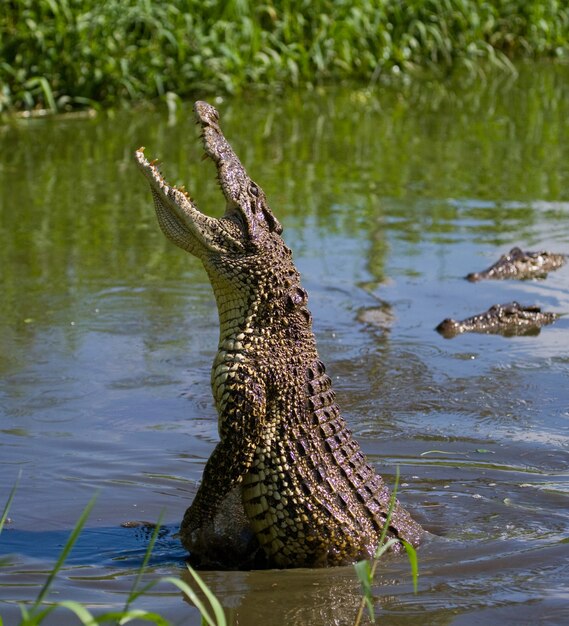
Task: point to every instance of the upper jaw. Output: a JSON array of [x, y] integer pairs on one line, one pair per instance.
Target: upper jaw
[[245, 200], [233, 179]]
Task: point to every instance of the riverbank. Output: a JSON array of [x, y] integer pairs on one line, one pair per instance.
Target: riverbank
[[63, 55]]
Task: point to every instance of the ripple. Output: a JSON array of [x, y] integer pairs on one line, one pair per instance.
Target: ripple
[[144, 381]]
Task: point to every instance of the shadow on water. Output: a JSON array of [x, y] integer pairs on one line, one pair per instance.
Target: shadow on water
[[107, 547], [388, 200]]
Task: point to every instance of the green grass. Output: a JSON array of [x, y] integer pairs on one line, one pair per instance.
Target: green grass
[[62, 54], [366, 569], [34, 614]]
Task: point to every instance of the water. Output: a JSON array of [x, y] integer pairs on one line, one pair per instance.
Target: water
[[388, 200]]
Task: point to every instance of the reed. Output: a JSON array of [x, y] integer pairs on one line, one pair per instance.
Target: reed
[[36, 613], [366, 569], [62, 54]]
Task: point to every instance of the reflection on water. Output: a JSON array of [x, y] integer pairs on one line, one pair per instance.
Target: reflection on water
[[388, 201]]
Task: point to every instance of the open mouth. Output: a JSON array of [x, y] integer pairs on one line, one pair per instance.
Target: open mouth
[[181, 221]]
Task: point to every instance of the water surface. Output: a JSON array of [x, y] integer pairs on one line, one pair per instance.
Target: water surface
[[388, 199]]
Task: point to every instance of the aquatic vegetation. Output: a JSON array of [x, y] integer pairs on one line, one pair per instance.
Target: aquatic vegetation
[[211, 611], [4, 517], [60, 54], [366, 569]]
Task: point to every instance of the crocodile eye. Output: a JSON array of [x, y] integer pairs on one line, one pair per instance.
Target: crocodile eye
[[254, 190]]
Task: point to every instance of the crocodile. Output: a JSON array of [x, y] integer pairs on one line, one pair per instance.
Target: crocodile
[[505, 319], [521, 265], [287, 469]]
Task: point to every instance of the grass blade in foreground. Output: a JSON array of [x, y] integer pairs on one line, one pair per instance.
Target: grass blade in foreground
[[64, 553], [135, 592], [414, 562], [35, 615], [214, 602], [365, 569], [8, 505], [215, 605]]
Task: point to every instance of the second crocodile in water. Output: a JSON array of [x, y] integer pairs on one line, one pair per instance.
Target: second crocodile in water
[[521, 265], [287, 485], [500, 319]]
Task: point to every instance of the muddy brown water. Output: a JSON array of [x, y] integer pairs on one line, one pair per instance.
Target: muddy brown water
[[388, 199]]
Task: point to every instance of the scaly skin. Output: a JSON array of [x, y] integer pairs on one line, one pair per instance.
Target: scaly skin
[[308, 494], [521, 265], [505, 319]]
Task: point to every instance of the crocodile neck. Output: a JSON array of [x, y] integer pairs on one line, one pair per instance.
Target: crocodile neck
[[268, 329]]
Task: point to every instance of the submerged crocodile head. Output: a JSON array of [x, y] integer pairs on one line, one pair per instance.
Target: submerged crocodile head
[[247, 230], [520, 265], [509, 320]]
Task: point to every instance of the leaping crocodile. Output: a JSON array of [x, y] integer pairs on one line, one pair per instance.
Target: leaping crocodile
[[287, 465], [521, 265]]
